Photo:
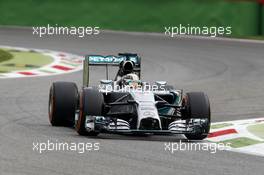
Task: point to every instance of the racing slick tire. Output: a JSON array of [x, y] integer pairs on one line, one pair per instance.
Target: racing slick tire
[[91, 104], [198, 107], [63, 101]]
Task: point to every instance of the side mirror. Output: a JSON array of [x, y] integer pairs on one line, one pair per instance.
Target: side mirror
[[159, 83], [106, 86], [106, 82]]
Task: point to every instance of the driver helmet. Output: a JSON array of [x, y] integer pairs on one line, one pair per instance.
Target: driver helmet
[[132, 81]]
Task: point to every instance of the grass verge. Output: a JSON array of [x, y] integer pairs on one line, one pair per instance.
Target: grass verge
[[241, 142], [23, 60], [257, 130], [222, 125], [5, 55], [136, 15]]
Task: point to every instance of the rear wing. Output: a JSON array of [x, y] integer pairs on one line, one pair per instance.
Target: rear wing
[[110, 60]]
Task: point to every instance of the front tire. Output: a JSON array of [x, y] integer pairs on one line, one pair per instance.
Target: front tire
[[63, 100], [198, 107], [91, 104]]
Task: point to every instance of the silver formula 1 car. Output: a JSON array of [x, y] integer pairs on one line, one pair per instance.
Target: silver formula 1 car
[[127, 105]]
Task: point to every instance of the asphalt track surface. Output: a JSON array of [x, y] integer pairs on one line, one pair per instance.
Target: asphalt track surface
[[230, 72]]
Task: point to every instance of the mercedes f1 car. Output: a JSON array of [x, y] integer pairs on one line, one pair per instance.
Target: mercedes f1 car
[[127, 105]]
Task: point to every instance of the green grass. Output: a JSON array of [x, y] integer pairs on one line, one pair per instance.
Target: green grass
[[21, 59], [222, 125], [257, 130], [136, 15], [4, 55], [241, 142]]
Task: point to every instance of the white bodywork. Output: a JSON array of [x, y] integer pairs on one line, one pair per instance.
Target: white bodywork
[[146, 106]]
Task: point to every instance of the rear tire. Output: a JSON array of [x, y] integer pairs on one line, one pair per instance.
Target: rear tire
[[91, 103], [198, 107], [63, 100]]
